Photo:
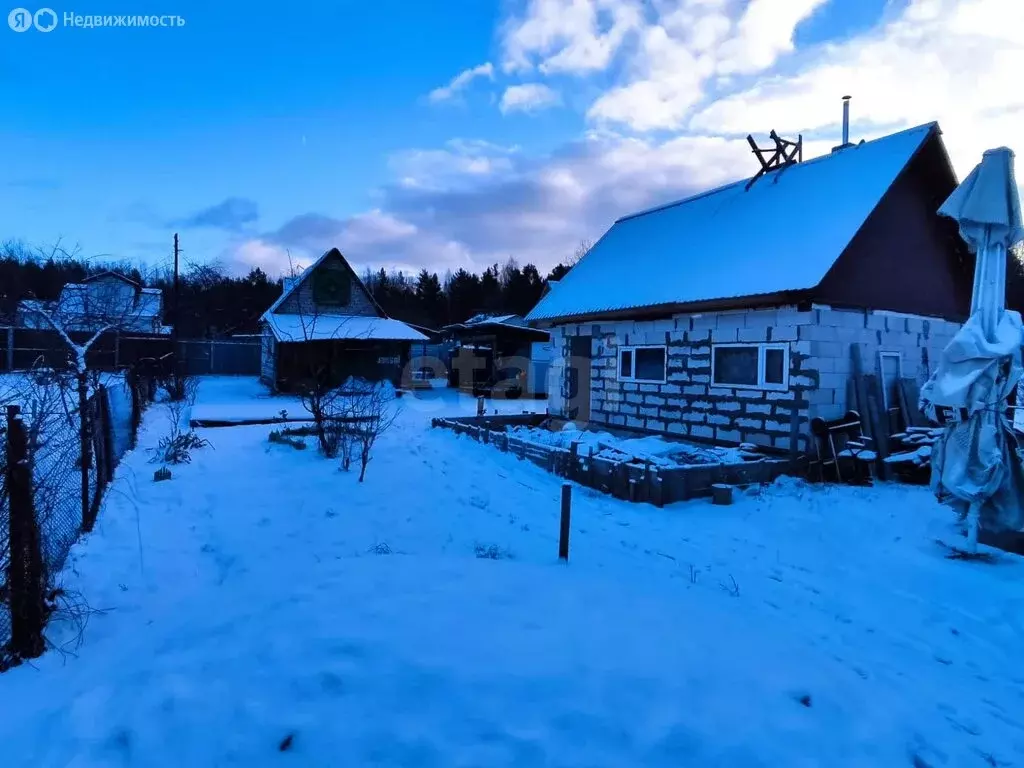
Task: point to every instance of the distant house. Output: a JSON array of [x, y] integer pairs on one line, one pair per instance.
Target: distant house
[[730, 316], [499, 354], [326, 325], [106, 299]]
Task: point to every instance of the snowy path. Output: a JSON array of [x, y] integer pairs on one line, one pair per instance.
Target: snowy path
[[259, 610]]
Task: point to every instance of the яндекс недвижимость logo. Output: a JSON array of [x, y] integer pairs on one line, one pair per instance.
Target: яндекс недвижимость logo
[[22, 20], [45, 20]]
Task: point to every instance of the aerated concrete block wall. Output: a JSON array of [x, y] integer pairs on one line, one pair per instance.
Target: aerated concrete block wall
[[687, 404]]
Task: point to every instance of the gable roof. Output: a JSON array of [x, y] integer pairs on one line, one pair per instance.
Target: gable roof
[[111, 273], [781, 235], [290, 288]]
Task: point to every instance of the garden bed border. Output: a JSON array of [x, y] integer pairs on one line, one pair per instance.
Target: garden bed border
[[630, 481]]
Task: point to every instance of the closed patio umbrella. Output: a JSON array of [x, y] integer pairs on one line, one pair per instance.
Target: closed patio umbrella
[[976, 465]]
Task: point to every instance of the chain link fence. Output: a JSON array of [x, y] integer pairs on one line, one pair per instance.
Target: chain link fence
[[70, 463], [5, 549]]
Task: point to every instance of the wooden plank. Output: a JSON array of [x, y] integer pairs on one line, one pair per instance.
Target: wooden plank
[[860, 389], [901, 397], [912, 394], [877, 417]]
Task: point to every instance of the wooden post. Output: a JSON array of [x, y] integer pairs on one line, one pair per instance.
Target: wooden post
[[480, 406], [721, 494], [563, 528], [10, 348], [574, 460], [25, 572], [85, 448], [107, 424]]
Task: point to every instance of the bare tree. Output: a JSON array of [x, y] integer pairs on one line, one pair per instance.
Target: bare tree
[[90, 313], [581, 250], [374, 411]]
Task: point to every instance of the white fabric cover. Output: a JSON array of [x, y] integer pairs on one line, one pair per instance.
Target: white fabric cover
[[978, 460]]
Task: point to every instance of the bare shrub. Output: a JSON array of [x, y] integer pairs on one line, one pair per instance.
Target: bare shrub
[[491, 552], [373, 409], [177, 449]]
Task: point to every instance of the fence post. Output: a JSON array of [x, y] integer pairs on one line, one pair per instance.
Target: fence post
[[25, 575], [133, 388], [107, 425], [563, 528], [85, 449], [213, 346]]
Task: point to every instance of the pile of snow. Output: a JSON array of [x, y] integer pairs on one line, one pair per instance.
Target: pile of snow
[[651, 449]]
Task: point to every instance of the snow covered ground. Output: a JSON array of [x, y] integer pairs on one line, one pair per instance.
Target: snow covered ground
[[261, 600]]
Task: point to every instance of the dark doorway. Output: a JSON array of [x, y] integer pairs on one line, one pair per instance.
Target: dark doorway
[[577, 398]]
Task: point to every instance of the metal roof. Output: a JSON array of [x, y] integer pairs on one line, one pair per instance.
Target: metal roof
[[783, 234]]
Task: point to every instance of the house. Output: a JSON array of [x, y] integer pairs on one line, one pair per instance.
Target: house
[[326, 325], [105, 299], [734, 315], [499, 354]]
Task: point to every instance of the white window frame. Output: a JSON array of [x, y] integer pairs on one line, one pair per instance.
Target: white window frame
[[632, 348], [762, 347], [882, 354]]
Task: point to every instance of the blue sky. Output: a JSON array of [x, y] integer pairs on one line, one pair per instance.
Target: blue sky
[[262, 138]]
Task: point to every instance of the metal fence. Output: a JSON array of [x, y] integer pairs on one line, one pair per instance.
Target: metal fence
[[41, 518], [226, 357]]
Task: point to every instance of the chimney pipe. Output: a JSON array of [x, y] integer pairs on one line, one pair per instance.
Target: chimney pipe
[[846, 120]]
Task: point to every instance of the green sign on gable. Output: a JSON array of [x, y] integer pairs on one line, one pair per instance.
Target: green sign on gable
[[332, 287]]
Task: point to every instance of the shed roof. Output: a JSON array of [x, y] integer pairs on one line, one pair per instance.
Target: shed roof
[[290, 328], [783, 234]]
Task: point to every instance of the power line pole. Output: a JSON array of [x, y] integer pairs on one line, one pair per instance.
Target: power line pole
[[174, 330], [177, 316]]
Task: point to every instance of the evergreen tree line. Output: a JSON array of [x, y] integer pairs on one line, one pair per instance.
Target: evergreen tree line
[[212, 303]]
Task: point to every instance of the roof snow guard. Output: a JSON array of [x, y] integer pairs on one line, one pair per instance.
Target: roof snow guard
[[733, 242], [783, 154]]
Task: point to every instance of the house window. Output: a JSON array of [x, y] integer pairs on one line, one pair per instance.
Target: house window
[[331, 287], [642, 364], [750, 366]]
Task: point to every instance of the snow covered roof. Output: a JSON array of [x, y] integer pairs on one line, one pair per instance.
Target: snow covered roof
[[486, 321], [783, 234], [338, 327]]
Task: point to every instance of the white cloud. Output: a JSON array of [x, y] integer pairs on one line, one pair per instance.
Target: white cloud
[[273, 259], [529, 97], [955, 62], [460, 161], [460, 82], [763, 33], [669, 83], [570, 36]]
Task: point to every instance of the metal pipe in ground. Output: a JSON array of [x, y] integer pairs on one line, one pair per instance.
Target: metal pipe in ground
[[563, 529]]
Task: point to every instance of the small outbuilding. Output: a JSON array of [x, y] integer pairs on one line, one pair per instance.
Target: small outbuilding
[[499, 355], [326, 326], [740, 314]]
